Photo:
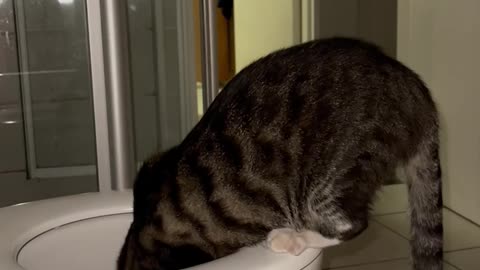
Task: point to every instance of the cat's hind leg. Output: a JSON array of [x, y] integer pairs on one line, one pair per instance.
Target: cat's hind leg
[[332, 231], [286, 240], [338, 210]]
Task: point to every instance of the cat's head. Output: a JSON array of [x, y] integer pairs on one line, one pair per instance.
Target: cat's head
[[156, 255]]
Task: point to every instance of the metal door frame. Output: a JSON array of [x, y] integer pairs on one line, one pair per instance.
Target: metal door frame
[[114, 157], [115, 152]]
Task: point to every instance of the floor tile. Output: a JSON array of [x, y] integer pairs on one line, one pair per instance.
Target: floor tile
[[376, 244], [459, 233], [403, 264], [391, 199], [464, 259], [399, 223]]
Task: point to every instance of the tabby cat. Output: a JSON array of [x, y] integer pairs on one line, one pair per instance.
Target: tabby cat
[[297, 144]]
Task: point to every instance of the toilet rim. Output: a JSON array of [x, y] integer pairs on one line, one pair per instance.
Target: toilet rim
[[23, 222]]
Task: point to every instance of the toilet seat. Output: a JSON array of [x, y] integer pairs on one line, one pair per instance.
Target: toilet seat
[[33, 234]]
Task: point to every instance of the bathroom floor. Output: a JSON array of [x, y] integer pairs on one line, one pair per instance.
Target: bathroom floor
[[384, 245]]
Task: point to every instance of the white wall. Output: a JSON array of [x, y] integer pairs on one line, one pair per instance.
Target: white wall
[[263, 26], [371, 20], [442, 44]]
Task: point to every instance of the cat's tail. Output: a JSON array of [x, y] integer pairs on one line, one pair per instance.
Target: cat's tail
[[425, 195]]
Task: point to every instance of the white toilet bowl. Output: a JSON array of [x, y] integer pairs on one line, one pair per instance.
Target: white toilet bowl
[[86, 232]]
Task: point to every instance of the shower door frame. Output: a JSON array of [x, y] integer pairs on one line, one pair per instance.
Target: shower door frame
[[95, 25], [305, 20], [32, 170], [97, 29], [99, 94]]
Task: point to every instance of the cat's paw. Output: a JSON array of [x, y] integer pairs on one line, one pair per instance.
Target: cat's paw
[[286, 240]]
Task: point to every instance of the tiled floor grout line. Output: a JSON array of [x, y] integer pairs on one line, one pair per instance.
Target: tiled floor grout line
[[461, 249], [386, 261], [376, 218], [397, 233], [450, 264], [390, 229], [460, 215], [387, 214], [380, 261], [393, 231]]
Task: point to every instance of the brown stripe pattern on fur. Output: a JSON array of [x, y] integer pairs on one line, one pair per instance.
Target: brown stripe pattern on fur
[[302, 138]]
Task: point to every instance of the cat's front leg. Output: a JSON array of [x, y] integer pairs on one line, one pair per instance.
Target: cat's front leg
[[286, 240]]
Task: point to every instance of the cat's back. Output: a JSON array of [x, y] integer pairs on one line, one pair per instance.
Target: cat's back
[[340, 74], [316, 58], [333, 66], [315, 92]]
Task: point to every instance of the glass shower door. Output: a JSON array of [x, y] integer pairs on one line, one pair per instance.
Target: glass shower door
[[166, 65], [162, 70], [46, 101]]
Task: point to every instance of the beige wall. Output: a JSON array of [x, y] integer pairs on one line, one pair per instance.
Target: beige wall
[[442, 44], [263, 26], [337, 18], [377, 21]]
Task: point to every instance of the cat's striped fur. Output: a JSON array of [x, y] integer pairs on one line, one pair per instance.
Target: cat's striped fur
[[302, 138]]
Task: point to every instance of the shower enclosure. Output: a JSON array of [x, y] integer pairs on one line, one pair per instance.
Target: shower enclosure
[[90, 88], [47, 134]]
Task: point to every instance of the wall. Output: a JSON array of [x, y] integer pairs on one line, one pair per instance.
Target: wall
[[442, 44], [337, 18], [371, 20], [264, 26], [455, 74], [377, 21]]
